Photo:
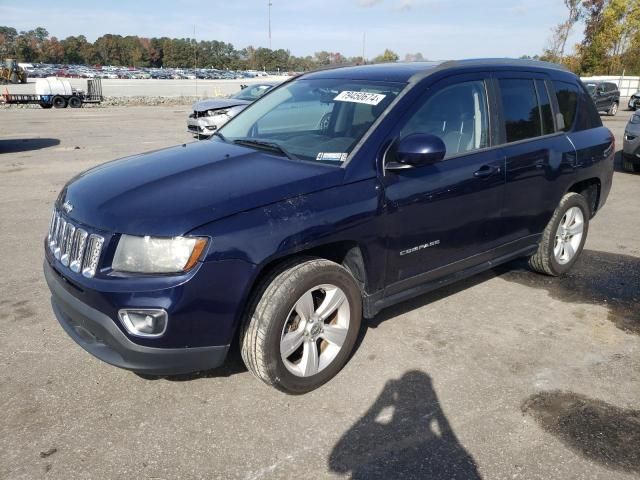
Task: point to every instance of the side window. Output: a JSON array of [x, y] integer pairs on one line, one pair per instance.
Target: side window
[[458, 114], [545, 108], [521, 109], [567, 94]]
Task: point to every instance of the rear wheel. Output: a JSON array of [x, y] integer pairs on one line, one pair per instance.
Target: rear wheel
[[59, 102], [75, 102], [613, 109], [303, 326], [563, 238]]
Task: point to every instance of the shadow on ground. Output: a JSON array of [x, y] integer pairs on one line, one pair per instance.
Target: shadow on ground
[[598, 278], [601, 432], [14, 145], [433, 296], [404, 434]]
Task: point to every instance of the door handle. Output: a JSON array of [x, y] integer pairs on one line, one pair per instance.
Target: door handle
[[486, 171]]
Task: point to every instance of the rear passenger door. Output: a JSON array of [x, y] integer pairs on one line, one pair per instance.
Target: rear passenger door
[[536, 154]]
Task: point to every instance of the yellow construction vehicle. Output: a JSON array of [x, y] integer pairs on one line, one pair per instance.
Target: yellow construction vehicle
[[10, 72]]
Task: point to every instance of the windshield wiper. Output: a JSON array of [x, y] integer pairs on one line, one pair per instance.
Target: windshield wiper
[[222, 137], [273, 146]]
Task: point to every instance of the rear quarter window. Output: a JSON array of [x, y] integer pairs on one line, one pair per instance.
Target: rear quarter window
[[567, 95], [576, 106]]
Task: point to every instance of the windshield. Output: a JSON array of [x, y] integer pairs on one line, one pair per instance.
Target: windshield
[[320, 120], [252, 92], [591, 87]]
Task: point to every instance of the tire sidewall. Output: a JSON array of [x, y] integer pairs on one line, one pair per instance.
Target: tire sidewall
[[59, 102], [575, 200], [289, 294]]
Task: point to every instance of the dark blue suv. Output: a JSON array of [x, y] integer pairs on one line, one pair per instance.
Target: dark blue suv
[[337, 194]]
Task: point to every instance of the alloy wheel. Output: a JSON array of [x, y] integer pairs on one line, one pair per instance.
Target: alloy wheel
[[568, 235], [315, 330]]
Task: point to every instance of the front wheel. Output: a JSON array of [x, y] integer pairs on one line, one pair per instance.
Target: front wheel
[[613, 109], [563, 238], [303, 325]]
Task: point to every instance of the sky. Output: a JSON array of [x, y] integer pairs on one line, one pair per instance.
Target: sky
[[438, 29]]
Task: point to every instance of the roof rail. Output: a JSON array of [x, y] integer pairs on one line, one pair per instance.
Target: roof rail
[[481, 62]]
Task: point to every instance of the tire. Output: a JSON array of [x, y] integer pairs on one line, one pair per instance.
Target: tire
[[273, 316], [75, 102], [59, 102], [628, 165], [46, 105], [613, 109], [545, 259]]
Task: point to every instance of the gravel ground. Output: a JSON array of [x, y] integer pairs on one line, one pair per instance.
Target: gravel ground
[[505, 375]]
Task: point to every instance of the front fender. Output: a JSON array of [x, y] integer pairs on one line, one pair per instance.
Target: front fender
[[262, 235]]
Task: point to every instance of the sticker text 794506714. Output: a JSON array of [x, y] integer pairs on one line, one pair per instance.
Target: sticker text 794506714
[[360, 97]]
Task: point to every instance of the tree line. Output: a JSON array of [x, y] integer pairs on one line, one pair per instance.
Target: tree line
[[611, 40], [610, 45], [36, 46]]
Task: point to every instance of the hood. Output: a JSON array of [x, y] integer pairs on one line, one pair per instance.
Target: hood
[[172, 191], [216, 103]]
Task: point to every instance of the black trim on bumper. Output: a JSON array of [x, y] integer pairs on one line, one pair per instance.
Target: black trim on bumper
[[97, 334], [632, 157]]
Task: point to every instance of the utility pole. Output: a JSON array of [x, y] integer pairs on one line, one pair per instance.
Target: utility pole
[[195, 58], [364, 41], [269, 1]]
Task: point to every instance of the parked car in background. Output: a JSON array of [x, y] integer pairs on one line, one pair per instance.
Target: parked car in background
[[631, 146], [634, 101], [605, 95], [283, 236], [209, 115]]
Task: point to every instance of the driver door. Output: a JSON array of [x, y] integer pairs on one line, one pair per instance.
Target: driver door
[[446, 216]]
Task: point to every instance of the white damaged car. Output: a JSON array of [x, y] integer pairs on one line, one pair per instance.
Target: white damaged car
[[209, 115]]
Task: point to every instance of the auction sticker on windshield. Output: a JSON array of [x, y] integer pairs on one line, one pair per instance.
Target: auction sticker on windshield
[[331, 157], [359, 97]]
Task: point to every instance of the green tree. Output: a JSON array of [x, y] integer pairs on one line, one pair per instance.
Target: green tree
[[8, 36], [388, 56]]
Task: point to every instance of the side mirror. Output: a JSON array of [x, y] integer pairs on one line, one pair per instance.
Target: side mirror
[[416, 150]]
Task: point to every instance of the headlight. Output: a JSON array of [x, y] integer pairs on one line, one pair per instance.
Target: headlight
[[213, 113], [157, 255]]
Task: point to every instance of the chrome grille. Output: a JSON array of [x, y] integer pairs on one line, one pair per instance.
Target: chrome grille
[[74, 246]]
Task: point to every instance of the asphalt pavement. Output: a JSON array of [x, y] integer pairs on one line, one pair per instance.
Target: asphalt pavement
[[506, 375]]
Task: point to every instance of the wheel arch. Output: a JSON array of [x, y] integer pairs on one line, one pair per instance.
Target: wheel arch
[[346, 253], [590, 189]]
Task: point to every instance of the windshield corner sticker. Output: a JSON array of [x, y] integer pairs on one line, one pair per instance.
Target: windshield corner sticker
[[360, 97], [331, 157]]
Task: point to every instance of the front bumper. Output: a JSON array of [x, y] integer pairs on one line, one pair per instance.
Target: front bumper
[[205, 126], [631, 146], [99, 335]]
